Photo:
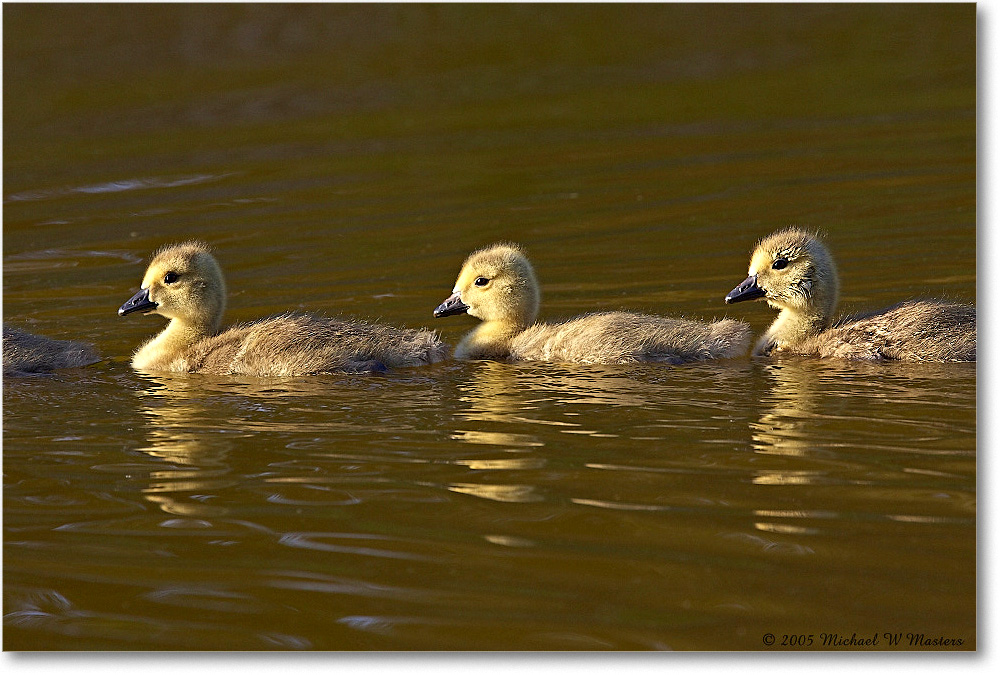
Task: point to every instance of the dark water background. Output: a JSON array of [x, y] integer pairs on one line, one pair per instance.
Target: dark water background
[[344, 159]]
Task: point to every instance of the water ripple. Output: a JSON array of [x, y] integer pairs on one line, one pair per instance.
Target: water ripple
[[154, 182], [51, 612], [311, 540], [324, 583]]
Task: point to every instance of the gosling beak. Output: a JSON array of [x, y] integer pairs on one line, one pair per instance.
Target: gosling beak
[[139, 302], [453, 305], [748, 290]]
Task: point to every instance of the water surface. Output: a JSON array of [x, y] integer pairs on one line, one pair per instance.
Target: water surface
[[344, 160]]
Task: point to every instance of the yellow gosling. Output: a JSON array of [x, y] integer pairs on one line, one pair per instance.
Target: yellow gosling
[[184, 283], [794, 272], [498, 286]]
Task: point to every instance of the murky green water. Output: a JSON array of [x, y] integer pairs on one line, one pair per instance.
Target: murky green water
[[345, 159]]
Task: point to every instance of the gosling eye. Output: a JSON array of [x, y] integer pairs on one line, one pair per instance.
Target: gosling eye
[[171, 277], [481, 281], [779, 264]]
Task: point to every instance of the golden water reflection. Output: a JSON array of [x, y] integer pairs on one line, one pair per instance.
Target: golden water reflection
[[499, 493], [496, 438], [789, 404], [176, 416], [787, 428], [504, 392], [494, 394]]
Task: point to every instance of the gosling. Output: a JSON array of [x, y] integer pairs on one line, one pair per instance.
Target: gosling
[[794, 272], [184, 283], [25, 353], [498, 286]]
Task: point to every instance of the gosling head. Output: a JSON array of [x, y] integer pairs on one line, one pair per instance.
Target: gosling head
[[792, 270], [183, 282], [497, 283]]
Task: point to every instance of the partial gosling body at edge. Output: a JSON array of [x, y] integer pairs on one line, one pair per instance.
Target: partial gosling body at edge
[[25, 353], [793, 271], [497, 285], [184, 283]]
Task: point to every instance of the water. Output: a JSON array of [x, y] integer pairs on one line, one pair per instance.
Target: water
[[344, 160]]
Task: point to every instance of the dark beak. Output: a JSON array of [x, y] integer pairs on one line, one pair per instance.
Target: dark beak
[[139, 302], [453, 305], [748, 290]]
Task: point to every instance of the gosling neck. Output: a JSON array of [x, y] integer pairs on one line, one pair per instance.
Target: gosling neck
[[489, 340], [791, 329], [171, 343]]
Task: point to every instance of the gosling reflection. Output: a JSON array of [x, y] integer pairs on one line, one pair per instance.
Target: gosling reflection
[[194, 421], [514, 409], [520, 397], [494, 393], [504, 392], [497, 396], [180, 433], [787, 427]]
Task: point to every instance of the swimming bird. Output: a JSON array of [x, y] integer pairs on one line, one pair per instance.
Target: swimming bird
[[793, 271], [497, 285], [24, 353], [184, 283]]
